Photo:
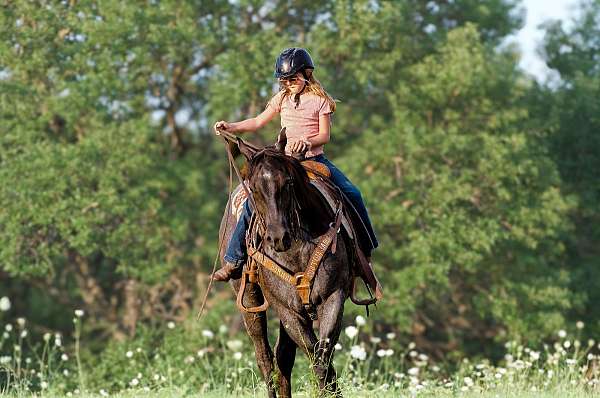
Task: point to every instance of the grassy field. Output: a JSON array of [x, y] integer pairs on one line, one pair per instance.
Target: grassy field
[[192, 360]]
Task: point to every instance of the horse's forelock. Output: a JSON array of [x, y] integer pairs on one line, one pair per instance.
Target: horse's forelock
[[290, 165]]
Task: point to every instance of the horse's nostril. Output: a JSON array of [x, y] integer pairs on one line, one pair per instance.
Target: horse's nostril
[[269, 239]]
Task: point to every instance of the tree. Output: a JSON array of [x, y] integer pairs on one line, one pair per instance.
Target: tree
[[567, 113], [468, 207]]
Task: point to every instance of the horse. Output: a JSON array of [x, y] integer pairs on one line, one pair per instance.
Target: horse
[[293, 215]]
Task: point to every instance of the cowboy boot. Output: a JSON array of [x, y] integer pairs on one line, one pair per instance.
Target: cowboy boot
[[228, 271]]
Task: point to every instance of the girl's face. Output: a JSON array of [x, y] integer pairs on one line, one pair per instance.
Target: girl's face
[[294, 83]]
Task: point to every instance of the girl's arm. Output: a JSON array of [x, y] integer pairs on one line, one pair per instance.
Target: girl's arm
[[324, 128], [252, 124], [320, 139]]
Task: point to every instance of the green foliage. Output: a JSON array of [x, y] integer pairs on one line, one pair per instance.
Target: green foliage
[[570, 128], [467, 206]]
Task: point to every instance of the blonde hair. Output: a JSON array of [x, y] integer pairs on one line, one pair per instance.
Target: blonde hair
[[313, 86]]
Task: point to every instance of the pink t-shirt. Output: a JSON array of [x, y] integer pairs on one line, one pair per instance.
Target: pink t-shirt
[[301, 122]]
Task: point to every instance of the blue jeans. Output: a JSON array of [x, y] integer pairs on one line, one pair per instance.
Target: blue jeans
[[236, 250]]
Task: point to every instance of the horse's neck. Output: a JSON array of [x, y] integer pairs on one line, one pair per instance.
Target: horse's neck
[[315, 213]]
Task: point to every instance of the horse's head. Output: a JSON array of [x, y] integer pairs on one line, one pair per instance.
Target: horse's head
[[277, 182]]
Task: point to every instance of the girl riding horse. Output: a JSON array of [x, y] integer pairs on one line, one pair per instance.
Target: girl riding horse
[[305, 109]]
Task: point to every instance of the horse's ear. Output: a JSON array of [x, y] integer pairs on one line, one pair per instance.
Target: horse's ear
[[245, 149], [281, 141]]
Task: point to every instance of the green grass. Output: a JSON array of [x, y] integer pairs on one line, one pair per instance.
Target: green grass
[[191, 360]]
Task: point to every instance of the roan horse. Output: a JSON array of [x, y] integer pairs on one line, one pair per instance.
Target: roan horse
[[294, 215]]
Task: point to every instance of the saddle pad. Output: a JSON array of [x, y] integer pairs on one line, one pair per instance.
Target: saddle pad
[[238, 198], [312, 167]]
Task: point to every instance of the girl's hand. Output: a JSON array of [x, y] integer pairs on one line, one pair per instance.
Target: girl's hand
[[300, 146], [221, 125]]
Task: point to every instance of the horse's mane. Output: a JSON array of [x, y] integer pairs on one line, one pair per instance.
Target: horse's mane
[[315, 210]]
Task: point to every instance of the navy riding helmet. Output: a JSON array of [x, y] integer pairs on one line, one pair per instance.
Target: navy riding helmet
[[291, 61]]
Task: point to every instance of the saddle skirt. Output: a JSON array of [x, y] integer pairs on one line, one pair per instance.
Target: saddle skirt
[[319, 175]]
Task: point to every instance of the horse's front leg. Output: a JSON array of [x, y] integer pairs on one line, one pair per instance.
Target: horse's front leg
[[285, 355], [256, 326], [330, 314]]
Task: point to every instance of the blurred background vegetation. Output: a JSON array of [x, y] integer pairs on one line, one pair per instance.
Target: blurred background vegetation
[[483, 184]]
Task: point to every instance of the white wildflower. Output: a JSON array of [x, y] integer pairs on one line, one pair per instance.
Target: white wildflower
[[171, 325], [360, 320], [358, 352], [567, 344], [535, 355], [8, 327], [571, 362], [4, 304], [413, 354], [5, 360], [64, 357], [189, 359], [562, 334], [380, 353], [134, 382], [375, 340], [338, 347], [208, 334], [66, 372], [413, 371], [390, 336], [156, 377], [79, 313], [389, 352], [237, 356], [23, 334], [201, 353], [234, 345], [103, 393], [468, 381], [579, 325], [498, 375], [47, 337], [44, 385], [423, 357], [138, 350], [21, 322], [590, 356], [591, 342], [223, 329], [351, 331]]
